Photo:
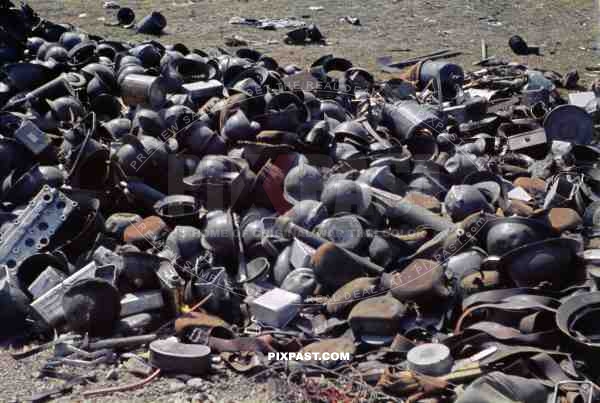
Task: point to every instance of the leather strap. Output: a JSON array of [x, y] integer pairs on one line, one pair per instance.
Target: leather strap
[[507, 354], [495, 296], [261, 344], [510, 335], [549, 368], [515, 303]]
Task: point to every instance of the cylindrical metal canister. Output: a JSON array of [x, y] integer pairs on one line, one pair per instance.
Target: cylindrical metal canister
[[430, 359], [144, 90], [404, 119], [532, 96]]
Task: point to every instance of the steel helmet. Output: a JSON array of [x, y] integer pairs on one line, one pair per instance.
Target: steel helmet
[[381, 177], [185, 242], [346, 196], [308, 213], [219, 233], [346, 231], [303, 182], [502, 235], [549, 261], [301, 281], [464, 200]]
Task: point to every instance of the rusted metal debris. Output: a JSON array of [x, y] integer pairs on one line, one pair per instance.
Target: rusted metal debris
[[438, 228]]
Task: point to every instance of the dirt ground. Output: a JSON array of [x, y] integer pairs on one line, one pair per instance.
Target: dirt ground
[[19, 381], [566, 29]]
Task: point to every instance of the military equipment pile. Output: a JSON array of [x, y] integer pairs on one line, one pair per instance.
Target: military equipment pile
[[168, 210]]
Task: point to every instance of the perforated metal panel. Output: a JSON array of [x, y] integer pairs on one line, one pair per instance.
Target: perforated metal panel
[[33, 229]]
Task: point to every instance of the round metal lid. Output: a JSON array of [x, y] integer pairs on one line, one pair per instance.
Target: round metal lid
[[430, 358], [175, 349], [569, 123]]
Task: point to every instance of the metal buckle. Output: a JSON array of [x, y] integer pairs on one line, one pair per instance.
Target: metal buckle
[[585, 384], [254, 329]]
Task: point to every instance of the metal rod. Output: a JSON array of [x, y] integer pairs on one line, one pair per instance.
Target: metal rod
[[123, 387], [122, 342], [411, 213], [291, 230], [397, 67]]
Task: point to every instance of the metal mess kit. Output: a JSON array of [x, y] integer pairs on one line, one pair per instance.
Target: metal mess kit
[[210, 207]]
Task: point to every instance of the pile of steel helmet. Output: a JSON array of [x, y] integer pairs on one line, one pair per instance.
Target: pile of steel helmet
[[440, 227]]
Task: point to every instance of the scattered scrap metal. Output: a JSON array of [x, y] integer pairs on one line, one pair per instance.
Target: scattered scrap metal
[[439, 227], [152, 24], [269, 24], [351, 20]]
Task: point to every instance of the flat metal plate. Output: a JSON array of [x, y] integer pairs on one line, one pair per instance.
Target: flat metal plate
[[581, 99], [32, 137], [526, 140]]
